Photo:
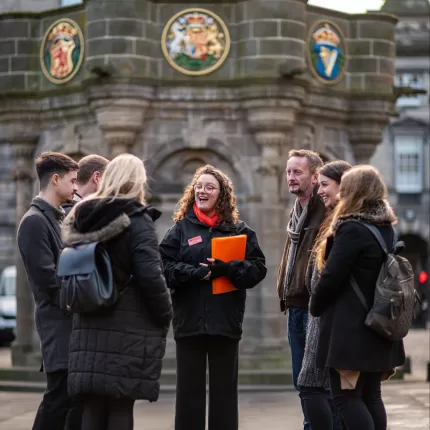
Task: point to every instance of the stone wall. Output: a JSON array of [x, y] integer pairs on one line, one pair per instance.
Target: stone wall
[[243, 117]]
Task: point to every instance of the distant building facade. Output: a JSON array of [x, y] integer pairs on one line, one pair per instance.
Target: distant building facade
[[404, 155]]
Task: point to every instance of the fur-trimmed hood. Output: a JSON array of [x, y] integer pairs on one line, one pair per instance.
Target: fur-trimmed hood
[[101, 219], [379, 213]]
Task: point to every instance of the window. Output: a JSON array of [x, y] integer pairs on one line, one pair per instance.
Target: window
[[408, 163], [70, 2], [413, 80]]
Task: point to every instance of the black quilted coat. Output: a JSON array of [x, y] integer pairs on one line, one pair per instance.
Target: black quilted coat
[[118, 353]]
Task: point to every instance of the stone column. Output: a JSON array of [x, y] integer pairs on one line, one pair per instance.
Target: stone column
[[25, 349], [272, 126], [120, 112], [368, 119]]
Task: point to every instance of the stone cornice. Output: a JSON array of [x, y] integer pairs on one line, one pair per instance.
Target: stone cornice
[[43, 14]]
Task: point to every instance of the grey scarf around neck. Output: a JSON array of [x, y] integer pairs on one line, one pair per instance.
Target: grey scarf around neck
[[294, 229]]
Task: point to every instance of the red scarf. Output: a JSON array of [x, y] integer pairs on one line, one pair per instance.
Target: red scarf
[[208, 220]]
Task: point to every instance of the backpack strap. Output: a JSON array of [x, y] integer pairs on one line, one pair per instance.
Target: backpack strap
[[358, 292], [378, 236]]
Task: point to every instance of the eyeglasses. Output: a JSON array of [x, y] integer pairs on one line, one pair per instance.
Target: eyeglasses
[[209, 189]]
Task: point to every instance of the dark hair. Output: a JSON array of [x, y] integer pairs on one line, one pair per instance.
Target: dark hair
[[226, 204], [51, 163], [335, 169], [89, 165], [314, 160]]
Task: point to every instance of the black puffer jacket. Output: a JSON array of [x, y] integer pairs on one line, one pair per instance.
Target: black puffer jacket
[[195, 309], [119, 353]]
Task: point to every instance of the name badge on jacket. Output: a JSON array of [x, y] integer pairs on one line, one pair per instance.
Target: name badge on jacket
[[194, 240]]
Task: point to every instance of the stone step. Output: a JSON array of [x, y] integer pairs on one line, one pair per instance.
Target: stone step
[[39, 387], [17, 379]]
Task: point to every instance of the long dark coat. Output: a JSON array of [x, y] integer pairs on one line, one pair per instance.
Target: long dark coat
[[39, 243], [345, 342], [196, 310], [118, 353]]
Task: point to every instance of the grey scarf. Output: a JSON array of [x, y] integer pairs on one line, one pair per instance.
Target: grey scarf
[[294, 229]]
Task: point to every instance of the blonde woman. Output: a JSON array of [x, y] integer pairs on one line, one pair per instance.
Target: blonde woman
[[356, 356], [115, 357]]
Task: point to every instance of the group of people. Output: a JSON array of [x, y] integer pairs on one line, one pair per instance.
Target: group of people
[[98, 364]]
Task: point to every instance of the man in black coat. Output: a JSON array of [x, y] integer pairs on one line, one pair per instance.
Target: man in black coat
[[39, 243], [90, 172]]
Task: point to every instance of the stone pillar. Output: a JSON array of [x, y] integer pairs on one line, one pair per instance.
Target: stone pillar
[[25, 349], [272, 126], [368, 119], [120, 112]]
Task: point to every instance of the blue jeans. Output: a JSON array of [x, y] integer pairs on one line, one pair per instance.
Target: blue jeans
[[297, 324]]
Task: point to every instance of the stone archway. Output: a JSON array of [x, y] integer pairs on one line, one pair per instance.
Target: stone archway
[[416, 251], [176, 159]]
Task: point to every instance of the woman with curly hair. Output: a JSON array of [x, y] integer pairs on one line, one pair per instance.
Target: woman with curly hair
[[208, 327]]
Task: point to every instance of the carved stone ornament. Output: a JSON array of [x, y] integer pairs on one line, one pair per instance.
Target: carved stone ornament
[[327, 52], [62, 51], [195, 42]]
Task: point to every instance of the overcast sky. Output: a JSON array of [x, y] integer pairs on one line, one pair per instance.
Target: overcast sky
[[350, 6]]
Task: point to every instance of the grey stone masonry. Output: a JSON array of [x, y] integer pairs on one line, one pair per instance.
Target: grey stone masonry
[[372, 53], [18, 59], [270, 33], [120, 37], [243, 117]]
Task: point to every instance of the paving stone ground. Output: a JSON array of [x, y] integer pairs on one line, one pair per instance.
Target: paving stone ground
[[407, 402], [407, 406]]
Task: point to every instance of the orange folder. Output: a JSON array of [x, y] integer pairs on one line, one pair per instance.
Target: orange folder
[[227, 249]]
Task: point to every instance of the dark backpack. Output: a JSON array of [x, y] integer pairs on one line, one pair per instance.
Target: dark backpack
[[87, 283], [395, 297]]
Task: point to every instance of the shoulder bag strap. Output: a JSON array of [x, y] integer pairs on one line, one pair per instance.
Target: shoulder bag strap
[[358, 292], [374, 230]]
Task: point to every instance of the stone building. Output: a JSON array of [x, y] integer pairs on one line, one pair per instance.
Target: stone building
[[404, 154], [284, 74]]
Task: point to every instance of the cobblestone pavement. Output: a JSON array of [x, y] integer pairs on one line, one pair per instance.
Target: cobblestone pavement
[[407, 407]]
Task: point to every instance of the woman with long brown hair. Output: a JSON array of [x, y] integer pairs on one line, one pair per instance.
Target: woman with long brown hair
[[313, 381], [356, 356], [207, 326]]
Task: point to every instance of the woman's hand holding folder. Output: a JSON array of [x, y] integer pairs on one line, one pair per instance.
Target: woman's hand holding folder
[[218, 268]]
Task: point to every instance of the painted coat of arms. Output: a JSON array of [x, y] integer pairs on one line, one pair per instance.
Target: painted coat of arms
[[195, 42], [62, 51], [327, 52]]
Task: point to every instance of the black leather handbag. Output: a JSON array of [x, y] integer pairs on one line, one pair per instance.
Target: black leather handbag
[[87, 283]]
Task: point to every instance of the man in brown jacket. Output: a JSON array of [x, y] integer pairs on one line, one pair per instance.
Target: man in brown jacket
[[305, 220]]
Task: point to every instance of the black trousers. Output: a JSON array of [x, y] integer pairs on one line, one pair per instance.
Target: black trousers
[[106, 413], [57, 411], [222, 354], [320, 409], [361, 408]]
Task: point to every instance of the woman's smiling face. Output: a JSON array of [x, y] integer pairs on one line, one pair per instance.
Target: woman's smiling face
[[328, 190], [206, 193]]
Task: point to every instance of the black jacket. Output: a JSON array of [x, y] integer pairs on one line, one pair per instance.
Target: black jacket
[[118, 353], [39, 244], [345, 342], [195, 309]]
